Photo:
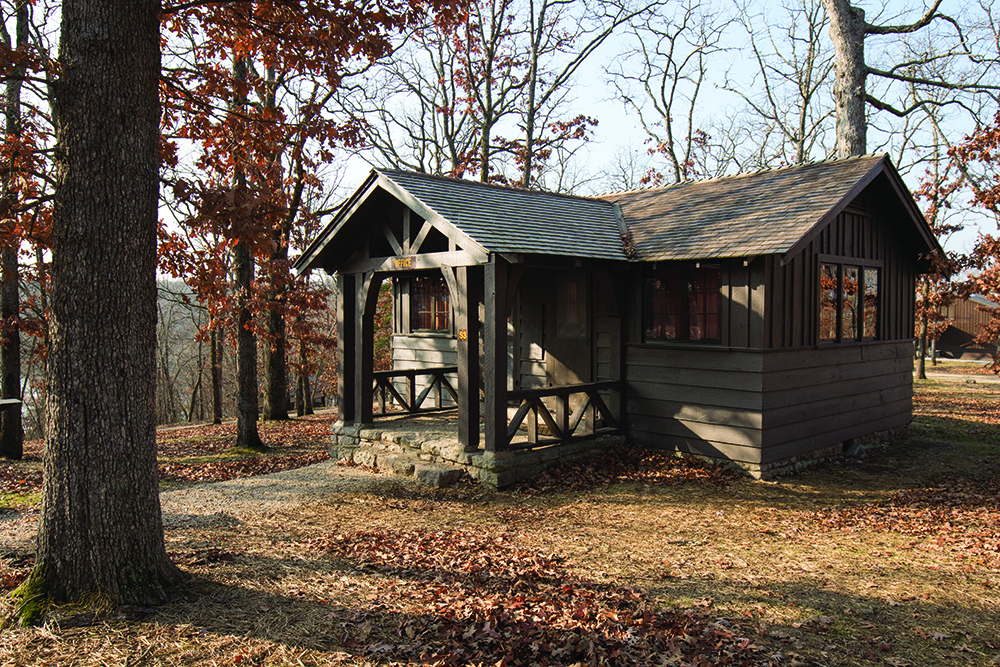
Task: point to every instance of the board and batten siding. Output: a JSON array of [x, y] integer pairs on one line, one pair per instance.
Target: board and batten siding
[[862, 231], [411, 351], [815, 398], [696, 399]]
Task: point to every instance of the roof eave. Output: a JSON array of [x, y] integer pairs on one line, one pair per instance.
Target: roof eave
[[902, 193], [309, 258]]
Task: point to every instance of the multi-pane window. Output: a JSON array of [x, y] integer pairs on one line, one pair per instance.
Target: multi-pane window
[[429, 306], [848, 297], [683, 302]]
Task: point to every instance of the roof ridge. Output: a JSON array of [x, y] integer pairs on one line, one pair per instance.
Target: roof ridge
[[492, 186], [742, 174]]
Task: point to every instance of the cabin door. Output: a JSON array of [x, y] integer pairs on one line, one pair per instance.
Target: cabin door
[[568, 352]]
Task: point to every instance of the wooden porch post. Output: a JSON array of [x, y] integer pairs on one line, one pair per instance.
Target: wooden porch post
[[346, 316], [467, 323], [495, 351], [364, 359]]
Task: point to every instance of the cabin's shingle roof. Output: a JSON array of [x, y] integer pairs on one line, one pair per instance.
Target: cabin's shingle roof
[[738, 216], [519, 221]]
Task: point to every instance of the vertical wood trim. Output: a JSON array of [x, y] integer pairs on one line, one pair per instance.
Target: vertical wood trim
[[495, 352], [770, 307], [755, 285], [467, 318], [346, 316], [406, 230], [801, 302], [727, 301], [740, 316]]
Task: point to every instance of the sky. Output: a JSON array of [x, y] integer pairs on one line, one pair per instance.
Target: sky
[[619, 129]]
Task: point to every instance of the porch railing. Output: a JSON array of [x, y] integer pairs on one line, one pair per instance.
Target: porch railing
[[564, 425], [386, 392]]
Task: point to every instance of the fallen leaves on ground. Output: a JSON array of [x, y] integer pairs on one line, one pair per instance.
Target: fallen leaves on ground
[[296, 443], [479, 599], [217, 471], [955, 513], [15, 478], [628, 463]]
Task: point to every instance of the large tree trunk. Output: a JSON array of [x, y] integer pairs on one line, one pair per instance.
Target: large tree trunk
[[847, 32], [275, 359], [11, 426], [215, 341], [246, 354], [246, 342], [101, 532]]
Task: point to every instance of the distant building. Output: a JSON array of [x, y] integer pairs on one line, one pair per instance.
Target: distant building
[[968, 316]]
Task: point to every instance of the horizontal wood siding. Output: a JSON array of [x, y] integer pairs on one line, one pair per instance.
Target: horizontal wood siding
[[819, 397], [409, 352], [696, 400]]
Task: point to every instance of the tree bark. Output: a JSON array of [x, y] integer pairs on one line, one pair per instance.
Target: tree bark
[[11, 426], [215, 342], [847, 32], [246, 354], [101, 532], [246, 342], [922, 337], [300, 406], [275, 357], [307, 393]]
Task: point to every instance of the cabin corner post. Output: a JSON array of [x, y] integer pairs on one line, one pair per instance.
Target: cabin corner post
[[495, 352], [364, 346], [467, 325], [346, 316]]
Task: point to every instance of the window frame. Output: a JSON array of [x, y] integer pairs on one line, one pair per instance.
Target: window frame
[[686, 271], [409, 305], [864, 266]]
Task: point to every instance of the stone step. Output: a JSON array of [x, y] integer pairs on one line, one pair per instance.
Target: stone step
[[438, 475]]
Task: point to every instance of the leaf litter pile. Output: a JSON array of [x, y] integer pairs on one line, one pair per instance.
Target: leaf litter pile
[[961, 515], [483, 600]]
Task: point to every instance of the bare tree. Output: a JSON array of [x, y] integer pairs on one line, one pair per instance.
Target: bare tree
[[785, 99], [849, 32], [660, 78]]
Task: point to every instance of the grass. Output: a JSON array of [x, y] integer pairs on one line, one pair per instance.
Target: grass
[[830, 567]]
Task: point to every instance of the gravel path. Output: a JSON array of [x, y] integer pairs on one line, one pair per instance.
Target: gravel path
[[214, 502]]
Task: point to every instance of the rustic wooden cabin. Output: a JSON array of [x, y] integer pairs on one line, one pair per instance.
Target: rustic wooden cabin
[[764, 319], [967, 317]]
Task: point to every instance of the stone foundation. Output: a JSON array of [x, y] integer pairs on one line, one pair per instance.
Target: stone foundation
[[428, 450], [796, 464]]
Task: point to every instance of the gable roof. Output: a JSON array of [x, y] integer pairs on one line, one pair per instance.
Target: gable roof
[[503, 219], [768, 212]]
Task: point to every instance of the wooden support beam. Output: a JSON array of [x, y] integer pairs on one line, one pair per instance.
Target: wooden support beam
[[406, 231], [495, 352], [433, 260], [346, 316], [364, 364], [391, 238], [466, 302], [421, 237]]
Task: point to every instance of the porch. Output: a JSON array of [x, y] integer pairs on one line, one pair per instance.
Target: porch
[[426, 446]]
